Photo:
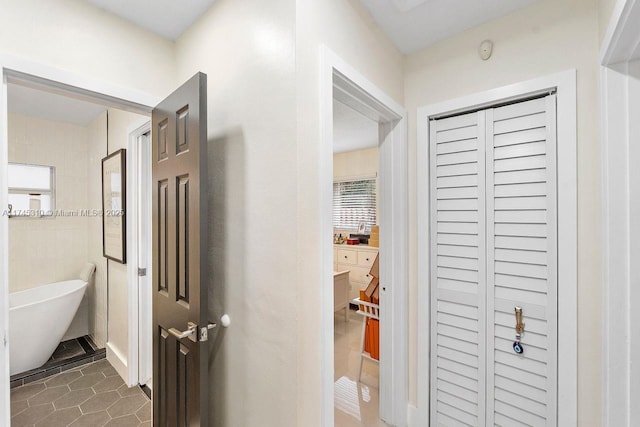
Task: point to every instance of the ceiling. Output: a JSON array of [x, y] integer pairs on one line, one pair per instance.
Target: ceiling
[[352, 130], [410, 24], [50, 106], [166, 18], [415, 24]]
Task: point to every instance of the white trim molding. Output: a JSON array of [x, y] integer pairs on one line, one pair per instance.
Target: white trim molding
[[5, 407], [565, 85], [137, 312], [117, 360], [622, 40], [620, 188], [338, 79]]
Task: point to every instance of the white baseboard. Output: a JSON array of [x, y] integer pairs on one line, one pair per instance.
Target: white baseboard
[[412, 416], [118, 361]]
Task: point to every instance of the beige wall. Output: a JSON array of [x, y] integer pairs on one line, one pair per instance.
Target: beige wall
[[74, 35], [97, 149], [348, 30], [604, 15], [547, 37], [246, 47], [47, 250], [356, 163]]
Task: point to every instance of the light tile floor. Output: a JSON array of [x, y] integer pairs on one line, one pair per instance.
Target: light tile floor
[[92, 395], [355, 404]]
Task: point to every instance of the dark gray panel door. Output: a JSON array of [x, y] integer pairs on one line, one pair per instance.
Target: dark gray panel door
[[179, 153]]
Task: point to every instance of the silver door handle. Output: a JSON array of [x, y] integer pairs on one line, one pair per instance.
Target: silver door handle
[[190, 332]]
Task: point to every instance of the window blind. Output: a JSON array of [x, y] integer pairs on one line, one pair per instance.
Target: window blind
[[354, 202], [31, 190]]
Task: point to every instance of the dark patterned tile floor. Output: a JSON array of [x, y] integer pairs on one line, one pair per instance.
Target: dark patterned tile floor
[[92, 395]]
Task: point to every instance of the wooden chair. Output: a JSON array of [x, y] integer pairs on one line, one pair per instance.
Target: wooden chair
[[368, 310]]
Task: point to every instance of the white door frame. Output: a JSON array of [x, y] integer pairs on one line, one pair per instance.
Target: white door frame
[[79, 86], [139, 362], [565, 84], [339, 79], [620, 189]]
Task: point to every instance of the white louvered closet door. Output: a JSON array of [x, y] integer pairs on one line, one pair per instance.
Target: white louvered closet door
[[458, 299], [522, 263], [494, 248]]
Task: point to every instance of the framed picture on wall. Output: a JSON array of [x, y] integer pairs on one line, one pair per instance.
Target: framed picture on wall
[[114, 185]]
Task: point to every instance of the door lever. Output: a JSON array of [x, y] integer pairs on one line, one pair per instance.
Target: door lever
[[190, 332]]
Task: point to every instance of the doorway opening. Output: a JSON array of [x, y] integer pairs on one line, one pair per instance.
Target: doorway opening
[[65, 210], [356, 241], [346, 92]]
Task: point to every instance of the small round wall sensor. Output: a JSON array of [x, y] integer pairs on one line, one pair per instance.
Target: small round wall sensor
[[485, 49]]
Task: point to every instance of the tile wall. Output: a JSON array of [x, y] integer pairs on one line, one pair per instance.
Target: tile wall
[[47, 250]]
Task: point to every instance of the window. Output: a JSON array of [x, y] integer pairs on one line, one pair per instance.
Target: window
[[354, 202], [31, 190]]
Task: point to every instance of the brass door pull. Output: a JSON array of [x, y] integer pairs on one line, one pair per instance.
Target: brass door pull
[[517, 345], [519, 323]]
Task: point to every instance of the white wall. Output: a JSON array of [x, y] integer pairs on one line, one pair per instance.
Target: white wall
[[77, 36], [547, 37], [246, 47], [120, 123], [47, 250], [349, 31]]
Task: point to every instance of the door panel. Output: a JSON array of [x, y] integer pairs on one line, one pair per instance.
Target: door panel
[[494, 248], [179, 174], [458, 266], [522, 272]]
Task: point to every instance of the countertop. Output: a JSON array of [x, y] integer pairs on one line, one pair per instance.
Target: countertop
[[342, 245]]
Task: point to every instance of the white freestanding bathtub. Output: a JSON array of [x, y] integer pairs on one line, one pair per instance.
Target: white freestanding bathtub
[[38, 319]]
